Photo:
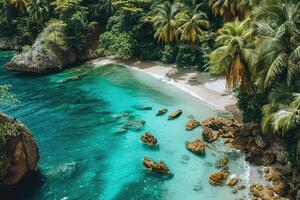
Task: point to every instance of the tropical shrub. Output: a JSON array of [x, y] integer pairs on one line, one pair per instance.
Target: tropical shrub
[[168, 55]]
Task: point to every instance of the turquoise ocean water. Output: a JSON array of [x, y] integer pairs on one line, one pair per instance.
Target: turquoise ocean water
[[72, 115]]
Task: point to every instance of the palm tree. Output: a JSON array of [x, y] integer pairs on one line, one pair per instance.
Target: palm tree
[[20, 4], [282, 116], [38, 10], [164, 22], [280, 44], [235, 56], [228, 9], [191, 24]]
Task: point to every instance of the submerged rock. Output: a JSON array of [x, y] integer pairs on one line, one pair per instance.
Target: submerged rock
[[149, 139], [159, 167], [237, 188], [161, 111], [175, 114], [134, 125], [192, 124], [142, 107], [197, 147], [208, 135], [222, 162], [218, 178], [19, 153]]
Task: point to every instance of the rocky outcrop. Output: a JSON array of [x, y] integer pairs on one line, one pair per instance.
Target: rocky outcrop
[[48, 57], [208, 135], [192, 124], [158, 167], [19, 154], [175, 114], [218, 178], [226, 125], [149, 139], [161, 112], [197, 147]]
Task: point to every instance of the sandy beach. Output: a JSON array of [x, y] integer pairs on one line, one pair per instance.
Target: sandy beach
[[201, 85]]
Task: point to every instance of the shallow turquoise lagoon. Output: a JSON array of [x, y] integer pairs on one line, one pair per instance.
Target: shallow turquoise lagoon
[[73, 113]]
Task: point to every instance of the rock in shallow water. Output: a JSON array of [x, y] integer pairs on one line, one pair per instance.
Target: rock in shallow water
[[197, 147], [175, 114], [142, 107], [192, 124], [149, 139], [19, 153], [208, 135], [218, 178], [222, 162], [161, 111], [159, 167]]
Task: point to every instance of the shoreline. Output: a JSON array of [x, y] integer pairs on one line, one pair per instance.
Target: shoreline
[[208, 89]]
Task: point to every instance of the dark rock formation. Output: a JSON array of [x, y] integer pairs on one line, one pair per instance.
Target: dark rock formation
[[175, 114], [19, 154], [43, 59], [192, 124], [197, 147], [159, 167], [161, 111], [149, 139]]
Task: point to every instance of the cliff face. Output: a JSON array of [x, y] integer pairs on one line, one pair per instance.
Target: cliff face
[[42, 59], [19, 153]]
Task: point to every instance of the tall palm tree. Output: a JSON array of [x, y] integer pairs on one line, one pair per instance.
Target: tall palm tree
[[38, 10], [164, 22], [20, 4], [191, 24], [280, 44], [235, 56]]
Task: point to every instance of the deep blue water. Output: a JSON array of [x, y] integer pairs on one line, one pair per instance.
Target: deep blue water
[[71, 114]]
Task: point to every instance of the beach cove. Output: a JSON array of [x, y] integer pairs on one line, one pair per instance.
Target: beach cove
[[89, 159]]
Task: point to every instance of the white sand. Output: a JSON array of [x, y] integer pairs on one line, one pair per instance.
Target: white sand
[[210, 90]]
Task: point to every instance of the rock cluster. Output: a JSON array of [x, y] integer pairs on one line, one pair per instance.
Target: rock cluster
[[175, 114], [197, 147], [19, 153], [149, 139], [226, 125], [208, 135], [192, 124], [159, 167]]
